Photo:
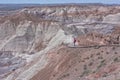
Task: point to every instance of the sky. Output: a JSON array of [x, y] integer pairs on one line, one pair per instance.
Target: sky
[[57, 1]]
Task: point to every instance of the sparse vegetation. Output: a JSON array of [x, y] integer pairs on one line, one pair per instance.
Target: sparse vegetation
[[113, 48], [53, 75], [86, 72], [116, 59], [100, 57], [83, 60], [87, 58], [104, 75], [98, 53], [102, 63], [76, 69], [107, 52], [116, 53], [89, 35], [102, 51], [69, 66], [90, 64], [85, 67], [93, 71], [91, 55], [65, 75]]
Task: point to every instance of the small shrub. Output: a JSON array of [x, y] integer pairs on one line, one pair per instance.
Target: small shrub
[[85, 67], [101, 64], [83, 61], [93, 71], [54, 75], [69, 66], [116, 53], [91, 55], [90, 64], [87, 58], [65, 75], [102, 51], [86, 72], [113, 48], [104, 75], [76, 69], [100, 57], [107, 52], [98, 53], [102, 61], [116, 59]]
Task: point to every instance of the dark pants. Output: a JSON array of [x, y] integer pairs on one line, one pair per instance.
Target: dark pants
[[74, 44]]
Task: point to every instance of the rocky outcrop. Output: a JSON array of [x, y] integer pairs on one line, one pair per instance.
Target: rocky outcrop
[[30, 33]]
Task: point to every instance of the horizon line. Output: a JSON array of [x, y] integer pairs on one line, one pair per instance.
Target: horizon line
[[57, 3]]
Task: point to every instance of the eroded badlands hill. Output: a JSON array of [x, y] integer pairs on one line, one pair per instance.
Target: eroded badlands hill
[[36, 43]]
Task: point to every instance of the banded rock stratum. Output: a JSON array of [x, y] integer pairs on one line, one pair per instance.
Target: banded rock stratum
[[36, 42]]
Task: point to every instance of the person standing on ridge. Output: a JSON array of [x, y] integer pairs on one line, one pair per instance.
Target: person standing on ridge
[[74, 41]]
